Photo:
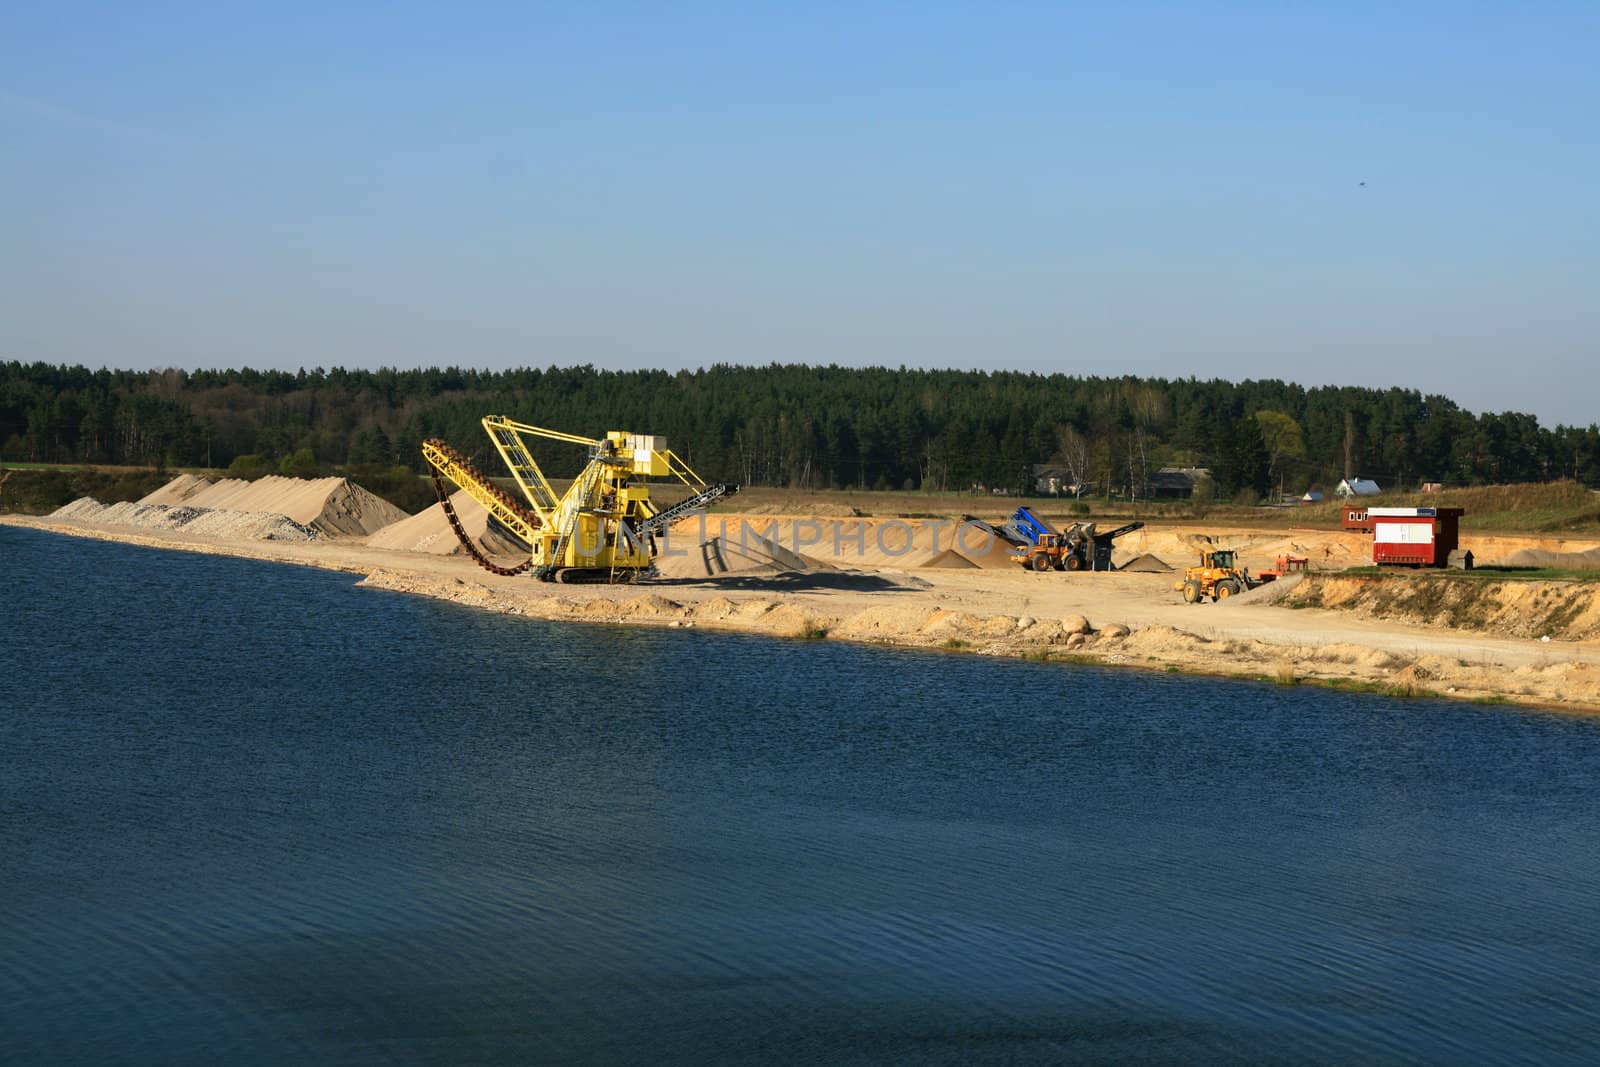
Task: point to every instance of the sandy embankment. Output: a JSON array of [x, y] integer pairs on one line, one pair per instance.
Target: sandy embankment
[[906, 588]]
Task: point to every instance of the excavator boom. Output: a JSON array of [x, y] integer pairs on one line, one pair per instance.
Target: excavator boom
[[497, 502]]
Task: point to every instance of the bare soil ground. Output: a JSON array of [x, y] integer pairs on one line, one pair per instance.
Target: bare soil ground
[[895, 581]]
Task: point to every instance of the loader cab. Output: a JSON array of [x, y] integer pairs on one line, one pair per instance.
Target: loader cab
[[1222, 559]]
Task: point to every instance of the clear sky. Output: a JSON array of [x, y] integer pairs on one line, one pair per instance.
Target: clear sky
[[1171, 189]]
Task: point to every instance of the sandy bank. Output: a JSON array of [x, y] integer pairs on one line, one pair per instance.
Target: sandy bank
[[1113, 619]]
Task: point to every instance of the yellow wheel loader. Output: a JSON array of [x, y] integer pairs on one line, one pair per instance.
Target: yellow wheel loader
[[1219, 577]]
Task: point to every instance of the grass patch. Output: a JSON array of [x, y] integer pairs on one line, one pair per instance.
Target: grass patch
[[1492, 572], [1530, 507], [812, 633], [15, 465], [1402, 690], [955, 644], [1532, 574]]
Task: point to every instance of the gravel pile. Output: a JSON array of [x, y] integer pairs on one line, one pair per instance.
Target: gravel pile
[[208, 522]]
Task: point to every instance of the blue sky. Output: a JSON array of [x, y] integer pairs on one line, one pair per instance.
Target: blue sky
[[1169, 189]]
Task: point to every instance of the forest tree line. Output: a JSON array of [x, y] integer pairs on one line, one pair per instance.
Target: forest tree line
[[793, 425]]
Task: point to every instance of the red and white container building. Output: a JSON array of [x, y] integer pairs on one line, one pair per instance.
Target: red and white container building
[[1416, 537]]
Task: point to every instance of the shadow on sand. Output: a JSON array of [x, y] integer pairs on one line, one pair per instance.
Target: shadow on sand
[[796, 581]]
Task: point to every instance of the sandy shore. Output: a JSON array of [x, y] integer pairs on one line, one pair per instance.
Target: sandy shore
[[1120, 619]]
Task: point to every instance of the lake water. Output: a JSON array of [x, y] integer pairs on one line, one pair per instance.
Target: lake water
[[250, 813]]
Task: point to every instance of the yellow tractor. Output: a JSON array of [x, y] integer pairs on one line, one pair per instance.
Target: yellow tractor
[[1219, 576]]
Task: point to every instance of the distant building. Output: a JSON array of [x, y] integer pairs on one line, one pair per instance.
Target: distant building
[[1176, 483], [1350, 487], [1315, 496], [1432, 487], [1049, 479]]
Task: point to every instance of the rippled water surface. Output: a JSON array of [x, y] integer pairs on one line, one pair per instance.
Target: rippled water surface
[[252, 814]]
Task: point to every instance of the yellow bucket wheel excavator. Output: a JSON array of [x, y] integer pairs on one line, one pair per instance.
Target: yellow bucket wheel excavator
[[602, 529]]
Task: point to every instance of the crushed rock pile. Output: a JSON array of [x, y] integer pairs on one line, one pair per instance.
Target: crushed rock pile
[[271, 509], [1270, 592], [208, 522]]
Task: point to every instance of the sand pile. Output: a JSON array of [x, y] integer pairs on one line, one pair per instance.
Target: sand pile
[[334, 506], [1146, 564], [1258, 549], [429, 531], [1567, 561], [853, 543], [178, 490], [272, 509], [719, 556], [906, 544], [844, 542], [991, 554]]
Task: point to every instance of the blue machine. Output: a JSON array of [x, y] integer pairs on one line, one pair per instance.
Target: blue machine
[[1029, 526]]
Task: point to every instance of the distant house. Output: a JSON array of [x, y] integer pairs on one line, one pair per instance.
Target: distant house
[[1176, 483], [1313, 497], [1350, 487], [1052, 480], [1432, 487]]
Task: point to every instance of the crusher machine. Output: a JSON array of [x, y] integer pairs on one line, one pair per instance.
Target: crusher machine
[[602, 529], [1038, 545]]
